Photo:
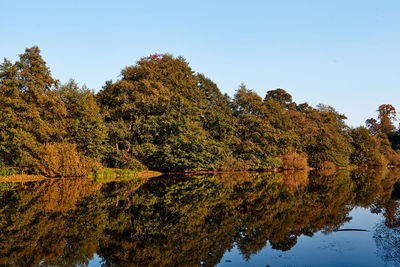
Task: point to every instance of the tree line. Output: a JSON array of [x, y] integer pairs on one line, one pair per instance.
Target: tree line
[[162, 115]]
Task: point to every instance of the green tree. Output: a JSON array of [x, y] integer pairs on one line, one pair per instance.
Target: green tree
[[384, 130], [219, 121], [323, 135], [37, 87], [161, 109], [264, 130], [12, 136], [281, 96], [31, 112], [366, 148], [85, 124]]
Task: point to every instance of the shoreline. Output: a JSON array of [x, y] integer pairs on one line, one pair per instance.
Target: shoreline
[[19, 178], [152, 174], [275, 170]]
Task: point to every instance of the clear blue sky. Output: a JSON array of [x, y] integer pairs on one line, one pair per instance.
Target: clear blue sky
[[341, 53]]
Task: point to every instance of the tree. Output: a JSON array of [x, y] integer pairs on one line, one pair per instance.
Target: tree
[[219, 121], [387, 114], [31, 111], [264, 130], [218, 118], [384, 130], [323, 135], [280, 96], [11, 121], [85, 124], [366, 149], [161, 107], [37, 87], [372, 125]]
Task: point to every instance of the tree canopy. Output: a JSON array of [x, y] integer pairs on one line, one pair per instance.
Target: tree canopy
[[164, 116]]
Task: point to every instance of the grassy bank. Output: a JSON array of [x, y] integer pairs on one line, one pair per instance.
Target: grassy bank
[[121, 174], [105, 174]]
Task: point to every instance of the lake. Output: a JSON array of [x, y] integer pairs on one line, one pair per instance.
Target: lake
[[317, 218]]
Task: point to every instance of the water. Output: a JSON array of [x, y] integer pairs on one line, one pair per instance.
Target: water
[[343, 218], [347, 248]]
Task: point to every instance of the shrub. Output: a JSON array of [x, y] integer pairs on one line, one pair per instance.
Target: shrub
[[295, 179], [125, 161], [392, 157], [7, 171], [327, 165], [63, 160], [377, 159], [293, 160], [109, 173]]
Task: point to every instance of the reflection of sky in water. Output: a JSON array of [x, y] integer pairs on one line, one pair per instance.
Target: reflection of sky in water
[[343, 248], [347, 248], [183, 221], [388, 243], [96, 261]]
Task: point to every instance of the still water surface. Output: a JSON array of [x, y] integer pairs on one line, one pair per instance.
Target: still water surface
[[343, 218]]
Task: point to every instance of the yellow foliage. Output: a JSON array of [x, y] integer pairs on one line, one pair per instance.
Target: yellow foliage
[[392, 157], [295, 179], [293, 160], [59, 195], [378, 159], [327, 165], [63, 160]]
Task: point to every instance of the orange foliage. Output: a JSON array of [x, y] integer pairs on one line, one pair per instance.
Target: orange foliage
[[62, 160], [293, 160]]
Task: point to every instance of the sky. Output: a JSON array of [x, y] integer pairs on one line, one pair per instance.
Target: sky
[[340, 53]]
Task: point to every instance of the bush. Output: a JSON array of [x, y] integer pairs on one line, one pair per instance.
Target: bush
[[125, 161], [63, 160], [293, 160], [7, 171], [109, 173], [327, 165], [392, 157], [295, 179], [377, 159]]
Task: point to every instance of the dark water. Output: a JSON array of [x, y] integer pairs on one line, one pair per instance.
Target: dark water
[[343, 218]]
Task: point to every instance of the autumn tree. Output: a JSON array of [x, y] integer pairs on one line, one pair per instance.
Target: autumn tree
[[387, 114], [163, 116], [384, 130], [35, 112]]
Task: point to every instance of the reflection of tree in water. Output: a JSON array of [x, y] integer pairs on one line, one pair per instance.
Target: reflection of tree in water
[[196, 219], [392, 214], [396, 191], [388, 243], [387, 232], [49, 222], [183, 221], [387, 203]]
